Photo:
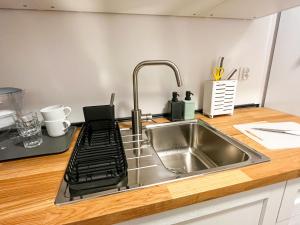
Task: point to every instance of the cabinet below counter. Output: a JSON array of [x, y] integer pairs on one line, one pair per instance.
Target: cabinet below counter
[[28, 188], [274, 204]]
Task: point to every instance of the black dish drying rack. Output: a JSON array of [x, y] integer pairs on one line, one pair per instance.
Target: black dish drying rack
[[98, 159]]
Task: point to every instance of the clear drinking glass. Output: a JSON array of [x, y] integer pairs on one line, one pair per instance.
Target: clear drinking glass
[[29, 128]]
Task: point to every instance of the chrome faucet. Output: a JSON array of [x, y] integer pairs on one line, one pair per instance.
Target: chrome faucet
[[136, 112]]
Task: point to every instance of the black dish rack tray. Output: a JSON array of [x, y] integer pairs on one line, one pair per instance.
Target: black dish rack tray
[[98, 159]]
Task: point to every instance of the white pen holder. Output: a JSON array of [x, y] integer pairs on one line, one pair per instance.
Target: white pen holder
[[219, 97]]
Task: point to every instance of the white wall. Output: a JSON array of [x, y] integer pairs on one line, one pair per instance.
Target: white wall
[[78, 59], [284, 91]]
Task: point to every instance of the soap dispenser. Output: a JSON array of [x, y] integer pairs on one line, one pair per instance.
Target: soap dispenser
[[189, 106], [176, 107]]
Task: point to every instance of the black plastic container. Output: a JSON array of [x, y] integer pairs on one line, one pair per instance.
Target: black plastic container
[[103, 113], [99, 112]]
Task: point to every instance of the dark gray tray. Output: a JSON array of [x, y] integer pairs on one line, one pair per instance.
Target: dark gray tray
[[11, 147]]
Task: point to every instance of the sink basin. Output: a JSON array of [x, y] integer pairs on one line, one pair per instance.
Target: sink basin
[[172, 151], [185, 148]]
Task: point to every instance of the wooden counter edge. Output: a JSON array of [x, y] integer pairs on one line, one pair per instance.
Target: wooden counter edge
[[129, 214]]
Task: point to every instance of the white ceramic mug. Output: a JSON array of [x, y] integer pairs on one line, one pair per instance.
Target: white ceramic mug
[[55, 112], [57, 128]]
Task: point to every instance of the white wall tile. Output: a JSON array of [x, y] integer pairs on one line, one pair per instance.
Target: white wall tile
[[78, 59]]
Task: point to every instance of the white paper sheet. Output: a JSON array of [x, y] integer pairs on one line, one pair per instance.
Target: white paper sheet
[[272, 140]]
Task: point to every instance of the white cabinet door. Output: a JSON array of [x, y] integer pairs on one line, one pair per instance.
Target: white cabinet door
[[248, 214], [256, 207], [290, 206]]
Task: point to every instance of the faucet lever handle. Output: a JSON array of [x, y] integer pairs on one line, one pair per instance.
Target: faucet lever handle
[[147, 116]]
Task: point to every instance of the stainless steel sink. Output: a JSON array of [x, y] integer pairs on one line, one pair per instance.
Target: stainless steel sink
[[167, 152], [192, 147]]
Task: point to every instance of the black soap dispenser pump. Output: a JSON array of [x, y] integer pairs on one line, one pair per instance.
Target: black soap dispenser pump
[[177, 107], [175, 96]]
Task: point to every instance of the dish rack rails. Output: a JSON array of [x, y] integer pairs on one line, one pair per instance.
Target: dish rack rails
[[98, 159]]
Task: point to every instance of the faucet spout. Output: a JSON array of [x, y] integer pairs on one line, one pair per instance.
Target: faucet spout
[[136, 112]]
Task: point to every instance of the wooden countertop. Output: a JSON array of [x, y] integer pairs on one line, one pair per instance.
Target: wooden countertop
[[28, 187]]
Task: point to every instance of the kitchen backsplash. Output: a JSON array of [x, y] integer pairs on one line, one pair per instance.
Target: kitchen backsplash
[[79, 59]]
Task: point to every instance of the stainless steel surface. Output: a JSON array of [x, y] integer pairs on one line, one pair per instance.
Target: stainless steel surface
[[191, 147], [136, 121], [146, 117], [136, 112], [167, 152]]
